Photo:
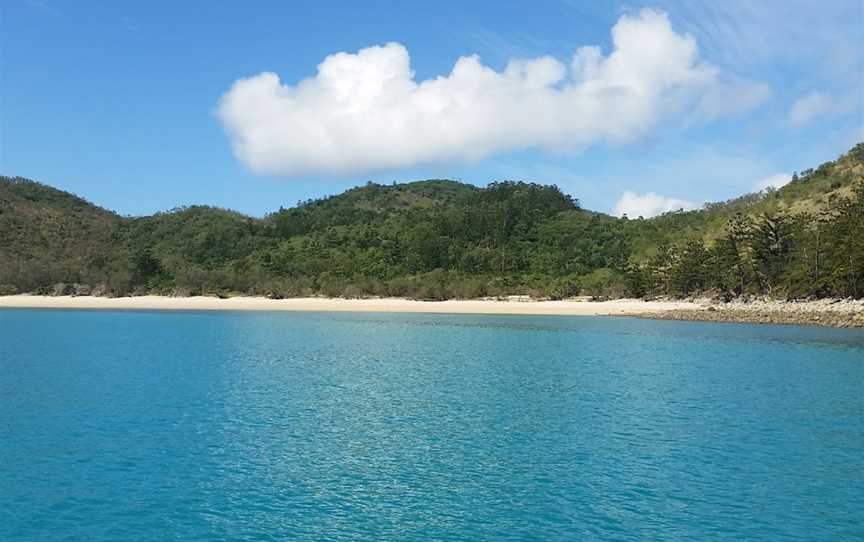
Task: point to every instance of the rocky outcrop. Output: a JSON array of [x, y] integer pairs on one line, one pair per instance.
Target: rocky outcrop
[[845, 313]]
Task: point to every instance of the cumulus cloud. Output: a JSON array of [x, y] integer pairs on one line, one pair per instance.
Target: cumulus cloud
[[647, 205], [773, 181], [365, 111]]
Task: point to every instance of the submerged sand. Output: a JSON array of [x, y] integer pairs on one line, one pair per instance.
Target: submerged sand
[[570, 307]]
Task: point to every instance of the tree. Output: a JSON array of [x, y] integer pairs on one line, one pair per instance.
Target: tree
[[689, 273], [771, 239], [145, 267], [443, 238], [733, 256]]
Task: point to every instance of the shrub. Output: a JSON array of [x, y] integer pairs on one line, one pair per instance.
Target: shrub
[[352, 291], [330, 285], [602, 283], [563, 287], [8, 289]]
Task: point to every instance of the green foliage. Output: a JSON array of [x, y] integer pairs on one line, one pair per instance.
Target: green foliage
[[564, 287], [771, 249], [48, 237], [636, 281], [603, 283], [8, 289], [442, 239], [689, 271]]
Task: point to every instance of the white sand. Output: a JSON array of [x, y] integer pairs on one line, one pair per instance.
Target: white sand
[[582, 308]]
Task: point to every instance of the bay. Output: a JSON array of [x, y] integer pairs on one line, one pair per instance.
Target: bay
[[322, 426]]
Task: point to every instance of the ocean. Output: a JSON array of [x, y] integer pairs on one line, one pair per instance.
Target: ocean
[[147, 425]]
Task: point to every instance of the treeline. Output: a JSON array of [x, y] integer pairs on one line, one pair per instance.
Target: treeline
[[442, 239], [776, 255]]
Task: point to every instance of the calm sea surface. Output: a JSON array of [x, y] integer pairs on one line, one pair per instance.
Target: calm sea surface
[[286, 426]]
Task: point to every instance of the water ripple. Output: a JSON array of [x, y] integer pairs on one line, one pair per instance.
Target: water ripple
[[279, 426]]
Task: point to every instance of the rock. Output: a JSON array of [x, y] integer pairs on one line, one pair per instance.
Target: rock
[[61, 288], [82, 289]]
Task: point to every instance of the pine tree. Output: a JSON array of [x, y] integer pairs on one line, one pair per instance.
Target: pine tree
[[771, 242]]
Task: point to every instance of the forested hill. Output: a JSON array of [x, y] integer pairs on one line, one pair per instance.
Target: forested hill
[[438, 239]]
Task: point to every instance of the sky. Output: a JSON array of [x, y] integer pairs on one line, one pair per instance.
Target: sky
[[633, 108]]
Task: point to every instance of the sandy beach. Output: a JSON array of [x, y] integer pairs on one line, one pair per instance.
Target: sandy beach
[[826, 312], [575, 308]]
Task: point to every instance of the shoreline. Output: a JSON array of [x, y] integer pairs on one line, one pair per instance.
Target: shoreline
[[836, 320], [826, 312], [619, 307]]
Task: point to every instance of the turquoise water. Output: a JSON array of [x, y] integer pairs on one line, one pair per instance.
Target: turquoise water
[[284, 426]]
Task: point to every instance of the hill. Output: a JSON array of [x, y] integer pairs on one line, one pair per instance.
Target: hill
[[438, 238], [810, 192], [49, 236]]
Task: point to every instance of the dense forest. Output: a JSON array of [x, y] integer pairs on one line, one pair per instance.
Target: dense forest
[[441, 239]]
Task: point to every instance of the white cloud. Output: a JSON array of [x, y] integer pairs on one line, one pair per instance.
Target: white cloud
[[731, 96], [816, 105], [808, 108], [365, 111], [825, 36], [647, 205], [774, 181]]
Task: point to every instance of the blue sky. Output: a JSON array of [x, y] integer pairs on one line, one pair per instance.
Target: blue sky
[[134, 106]]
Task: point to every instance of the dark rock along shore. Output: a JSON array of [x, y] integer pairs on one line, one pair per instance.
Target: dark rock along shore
[[808, 318]]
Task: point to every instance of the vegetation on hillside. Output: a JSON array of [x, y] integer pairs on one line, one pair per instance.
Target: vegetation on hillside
[[440, 239]]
